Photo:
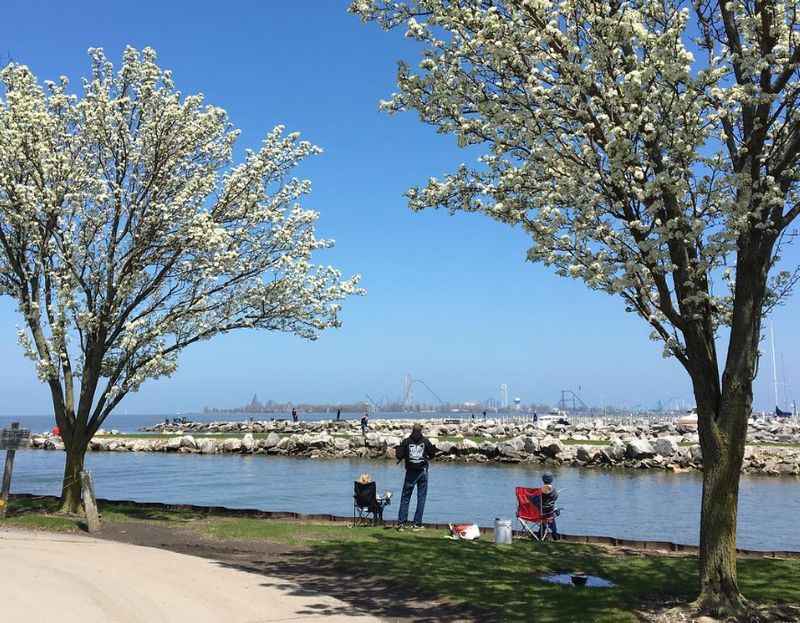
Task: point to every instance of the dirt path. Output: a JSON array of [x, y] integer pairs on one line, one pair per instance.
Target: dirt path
[[296, 569], [74, 578]]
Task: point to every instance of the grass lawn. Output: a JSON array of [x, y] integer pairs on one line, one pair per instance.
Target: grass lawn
[[503, 580]]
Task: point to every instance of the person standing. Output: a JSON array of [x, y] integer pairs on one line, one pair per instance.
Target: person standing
[[338, 414], [294, 415], [416, 450], [364, 424]]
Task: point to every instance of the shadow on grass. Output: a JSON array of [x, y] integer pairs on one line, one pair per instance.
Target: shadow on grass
[[399, 575]]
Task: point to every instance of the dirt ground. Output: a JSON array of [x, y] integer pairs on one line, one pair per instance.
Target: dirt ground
[[298, 566]]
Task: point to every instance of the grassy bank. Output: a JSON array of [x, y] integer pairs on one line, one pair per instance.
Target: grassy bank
[[501, 580]]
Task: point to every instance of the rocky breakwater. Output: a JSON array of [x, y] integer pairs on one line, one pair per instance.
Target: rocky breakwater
[[774, 446]]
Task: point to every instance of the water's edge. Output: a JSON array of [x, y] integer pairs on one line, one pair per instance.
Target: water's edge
[[252, 513]]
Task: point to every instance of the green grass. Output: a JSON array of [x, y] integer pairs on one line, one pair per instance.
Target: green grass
[[288, 533], [502, 580]]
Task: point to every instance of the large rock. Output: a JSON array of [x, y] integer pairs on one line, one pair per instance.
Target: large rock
[[341, 444], [615, 451], [696, 452], [232, 445], [639, 449], [587, 454], [187, 441], [320, 441], [487, 448], [446, 447], [248, 443], [551, 447], [375, 440], [173, 443], [467, 446], [208, 446], [532, 444], [665, 446], [270, 441]]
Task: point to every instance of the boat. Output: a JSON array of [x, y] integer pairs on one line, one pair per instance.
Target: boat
[[556, 416], [687, 421]]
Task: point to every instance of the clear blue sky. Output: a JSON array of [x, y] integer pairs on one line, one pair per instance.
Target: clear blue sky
[[451, 299]]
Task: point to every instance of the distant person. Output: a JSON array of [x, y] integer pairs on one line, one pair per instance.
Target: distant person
[[166, 421], [56, 432], [294, 415], [535, 417], [365, 424], [416, 450], [472, 417], [338, 414]]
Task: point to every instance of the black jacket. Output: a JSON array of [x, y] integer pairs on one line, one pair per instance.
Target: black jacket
[[416, 452]]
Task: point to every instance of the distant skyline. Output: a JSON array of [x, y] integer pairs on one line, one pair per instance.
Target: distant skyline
[[450, 300]]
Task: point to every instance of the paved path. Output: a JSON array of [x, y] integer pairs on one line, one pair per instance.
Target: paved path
[[72, 578]]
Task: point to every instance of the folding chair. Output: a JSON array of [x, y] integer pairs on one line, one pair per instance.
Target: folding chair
[[367, 507], [530, 515]]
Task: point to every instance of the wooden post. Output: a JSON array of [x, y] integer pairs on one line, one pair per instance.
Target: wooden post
[[90, 502], [9, 468]]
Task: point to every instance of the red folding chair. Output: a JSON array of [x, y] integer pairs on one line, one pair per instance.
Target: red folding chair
[[530, 515]]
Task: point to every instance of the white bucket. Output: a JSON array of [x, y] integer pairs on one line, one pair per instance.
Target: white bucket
[[502, 531]]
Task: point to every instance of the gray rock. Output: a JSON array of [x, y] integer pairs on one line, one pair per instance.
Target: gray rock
[[551, 447], [639, 449], [665, 446], [248, 443], [187, 441], [208, 446], [173, 443], [232, 445], [446, 447], [375, 440], [270, 441], [467, 446]]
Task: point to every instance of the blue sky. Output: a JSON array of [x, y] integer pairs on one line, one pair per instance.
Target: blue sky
[[450, 299]]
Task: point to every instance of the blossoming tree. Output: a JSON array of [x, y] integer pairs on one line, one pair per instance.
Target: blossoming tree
[[127, 234], [667, 180]]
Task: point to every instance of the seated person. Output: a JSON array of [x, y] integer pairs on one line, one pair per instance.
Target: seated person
[[549, 510], [383, 500]]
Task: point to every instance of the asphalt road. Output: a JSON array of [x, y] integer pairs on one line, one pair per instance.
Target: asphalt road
[[72, 578]]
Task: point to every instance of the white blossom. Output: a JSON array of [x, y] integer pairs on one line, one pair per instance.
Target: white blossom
[[127, 232], [630, 163]]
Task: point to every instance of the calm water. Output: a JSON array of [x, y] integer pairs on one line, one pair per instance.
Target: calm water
[[637, 505]]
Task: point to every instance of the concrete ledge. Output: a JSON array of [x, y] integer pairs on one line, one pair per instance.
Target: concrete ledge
[[223, 511]]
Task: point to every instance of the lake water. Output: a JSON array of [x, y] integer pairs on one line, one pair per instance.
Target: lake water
[[625, 504]]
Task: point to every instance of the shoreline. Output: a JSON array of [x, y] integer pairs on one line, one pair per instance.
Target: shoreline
[[644, 545], [774, 448]]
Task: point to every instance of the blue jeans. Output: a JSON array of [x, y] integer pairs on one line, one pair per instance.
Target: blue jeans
[[418, 479]]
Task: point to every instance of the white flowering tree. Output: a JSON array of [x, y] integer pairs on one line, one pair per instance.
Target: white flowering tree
[[127, 234], [649, 148]]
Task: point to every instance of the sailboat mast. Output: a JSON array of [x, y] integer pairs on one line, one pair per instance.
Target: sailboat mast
[[774, 367]]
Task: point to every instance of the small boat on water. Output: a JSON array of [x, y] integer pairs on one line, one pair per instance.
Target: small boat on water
[[556, 416], [688, 421]]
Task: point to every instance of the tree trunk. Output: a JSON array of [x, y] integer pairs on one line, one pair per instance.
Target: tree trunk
[[71, 485], [719, 590], [723, 433]]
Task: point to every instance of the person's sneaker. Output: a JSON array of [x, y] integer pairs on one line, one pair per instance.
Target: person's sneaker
[[417, 527], [401, 527]]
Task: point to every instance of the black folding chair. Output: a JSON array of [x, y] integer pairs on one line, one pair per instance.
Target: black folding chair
[[367, 507]]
